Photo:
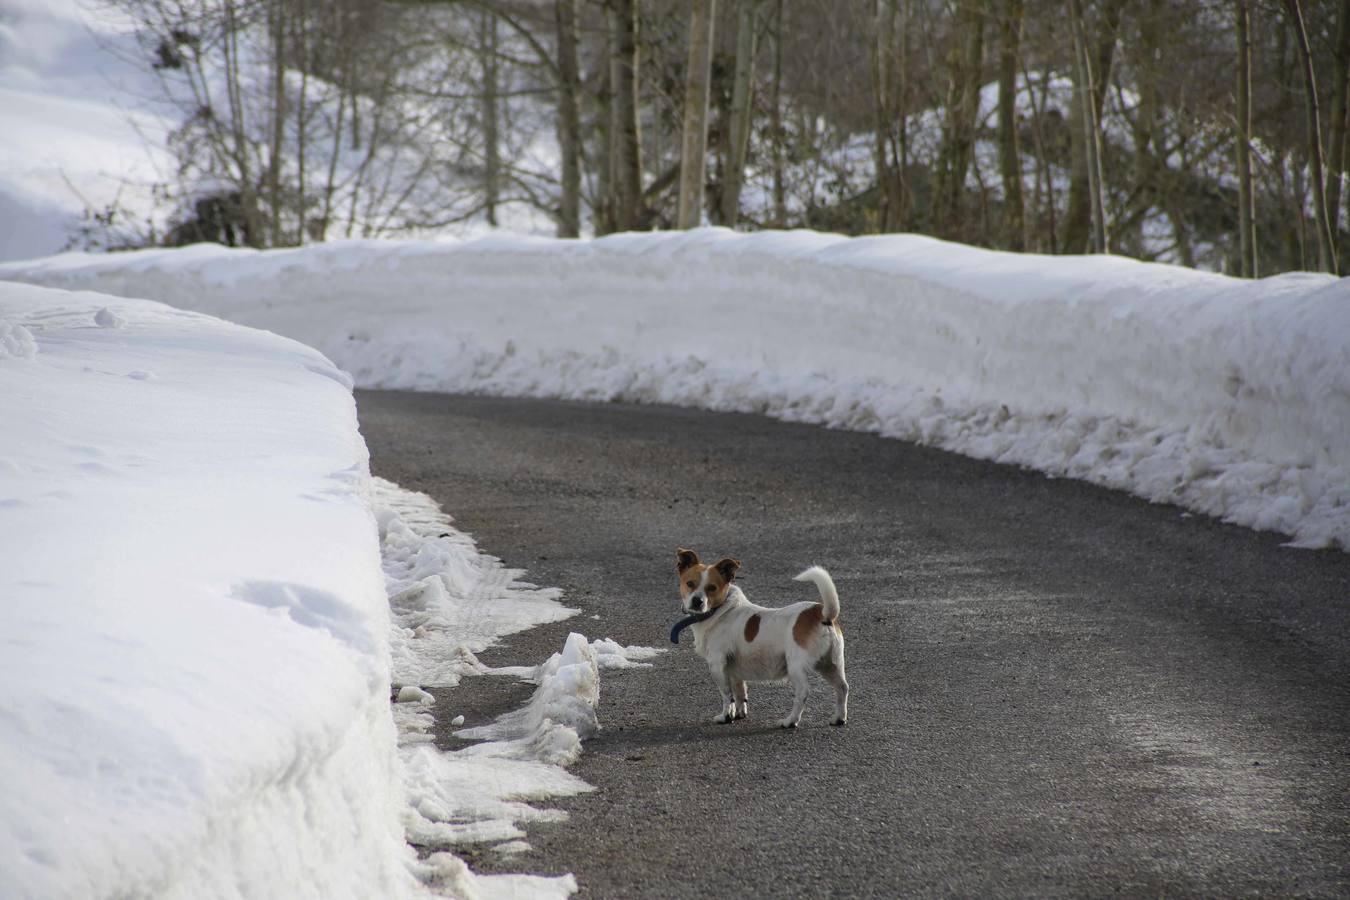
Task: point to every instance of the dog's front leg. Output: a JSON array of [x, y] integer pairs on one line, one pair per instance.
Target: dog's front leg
[[723, 679], [742, 706]]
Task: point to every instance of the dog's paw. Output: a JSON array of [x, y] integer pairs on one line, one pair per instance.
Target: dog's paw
[[839, 723], [741, 714], [722, 719], [788, 723]]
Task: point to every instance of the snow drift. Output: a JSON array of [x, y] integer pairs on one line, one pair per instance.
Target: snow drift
[[1228, 397], [195, 671]]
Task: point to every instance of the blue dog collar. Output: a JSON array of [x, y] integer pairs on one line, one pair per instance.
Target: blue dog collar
[[692, 619]]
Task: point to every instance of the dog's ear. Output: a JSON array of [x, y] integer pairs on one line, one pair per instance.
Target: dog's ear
[[726, 567], [685, 559]]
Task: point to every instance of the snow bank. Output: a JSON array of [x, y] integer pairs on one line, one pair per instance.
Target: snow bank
[[195, 672], [1228, 397]]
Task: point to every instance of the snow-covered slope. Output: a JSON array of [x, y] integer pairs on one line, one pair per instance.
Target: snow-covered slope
[[195, 667], [81, 128], [1226, 396]]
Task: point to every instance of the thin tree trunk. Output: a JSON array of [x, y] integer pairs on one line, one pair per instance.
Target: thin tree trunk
[[1010, 157], [1326, 257], [742, 96], [1045, 196], [487, 49], [301, 26], [569, 119], [604, 121], [1246, 208], [883, 43], [1077, 230], [248, 191], [1088, 111], [277, 20], [694, 147], [779, 194], [626, 142], [899, 202], [1340, 119]]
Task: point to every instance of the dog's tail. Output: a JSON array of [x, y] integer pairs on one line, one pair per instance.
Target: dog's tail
[[829, 597]]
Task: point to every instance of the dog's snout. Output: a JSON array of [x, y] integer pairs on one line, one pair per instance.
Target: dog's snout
[[695, 602]]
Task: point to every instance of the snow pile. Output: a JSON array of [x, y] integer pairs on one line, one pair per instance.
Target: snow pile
[[195, 677], [449, 602], [1228, 397]]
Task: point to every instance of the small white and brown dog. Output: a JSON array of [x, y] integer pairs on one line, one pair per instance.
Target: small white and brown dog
[[743, 642]]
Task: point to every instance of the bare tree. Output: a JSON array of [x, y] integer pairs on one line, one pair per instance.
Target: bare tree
[[625, 128], [1340, 120], [569, 119], [1085, 100], [1326, 257], [1246, 207], [694, 146], [965, 64], [738, 126], [885, 112], [1009, 153]]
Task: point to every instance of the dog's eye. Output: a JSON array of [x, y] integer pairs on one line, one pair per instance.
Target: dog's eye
[[689, 584]]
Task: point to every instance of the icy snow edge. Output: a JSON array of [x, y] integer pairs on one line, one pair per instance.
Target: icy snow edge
[[448, 602], [1225, 396]]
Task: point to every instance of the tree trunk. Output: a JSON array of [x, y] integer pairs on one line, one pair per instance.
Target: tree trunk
[[487, 54], [742, 97], [1246, 207], [900, 197], [300, 33], [569, 119], [963, 103], [883, 108], [694, 147], [1088, 110], [1010, 157], [779, 194], [1340, 119], [1326, 258], [277, 21], [1077, 230], [605, 222], [626, 157]]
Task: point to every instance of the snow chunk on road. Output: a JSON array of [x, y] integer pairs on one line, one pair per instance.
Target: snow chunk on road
[[195, 675], [559, 716], [16, 342], [106, 318]]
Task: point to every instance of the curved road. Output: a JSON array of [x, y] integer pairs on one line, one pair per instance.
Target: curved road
[[1057, 689]]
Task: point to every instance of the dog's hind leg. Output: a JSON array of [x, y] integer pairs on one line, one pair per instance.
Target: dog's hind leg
[[831, 668], [742, 694], [835, 676], [800, 688]]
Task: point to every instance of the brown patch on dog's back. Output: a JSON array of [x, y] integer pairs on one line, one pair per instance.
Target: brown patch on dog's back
[[808, 620], [752, 628]]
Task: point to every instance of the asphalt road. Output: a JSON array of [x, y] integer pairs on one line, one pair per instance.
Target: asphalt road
[[1056, 689]]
